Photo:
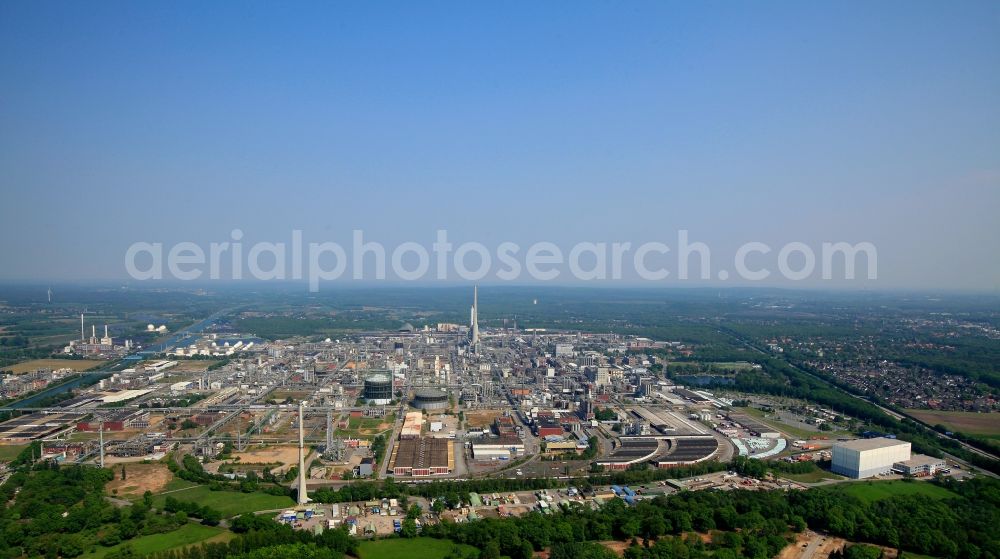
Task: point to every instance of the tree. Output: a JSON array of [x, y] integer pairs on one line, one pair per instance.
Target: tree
[[210, 516], [438, 506], [490, 551], [861, 551], [408, 529]]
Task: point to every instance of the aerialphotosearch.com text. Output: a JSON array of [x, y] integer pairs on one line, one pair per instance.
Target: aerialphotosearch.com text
[[365, 259]]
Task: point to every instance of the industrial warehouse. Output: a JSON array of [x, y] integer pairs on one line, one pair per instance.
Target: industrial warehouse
[[863, 458], [424, 456]]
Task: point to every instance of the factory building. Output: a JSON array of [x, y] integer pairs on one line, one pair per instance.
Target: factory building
[[920, 465], [863, 458], [412, 425], [423, 457], [502, 448]]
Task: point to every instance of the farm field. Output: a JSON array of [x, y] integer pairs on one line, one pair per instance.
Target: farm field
[[229, 503], [415, 548], [969, 422], [75, 364], [144, 545], [870, 491]]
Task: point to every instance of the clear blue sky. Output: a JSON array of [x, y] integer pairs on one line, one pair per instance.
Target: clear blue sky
[[523, 121]]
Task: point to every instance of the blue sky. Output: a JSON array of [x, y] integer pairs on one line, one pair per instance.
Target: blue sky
[[521, 121]]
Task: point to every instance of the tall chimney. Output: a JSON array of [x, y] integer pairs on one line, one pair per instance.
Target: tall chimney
[[303, 496]]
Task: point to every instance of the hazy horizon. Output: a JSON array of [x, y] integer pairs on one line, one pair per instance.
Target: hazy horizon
[[775, 122]]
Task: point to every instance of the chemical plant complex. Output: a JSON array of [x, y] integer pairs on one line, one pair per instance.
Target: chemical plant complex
[[449, 401]]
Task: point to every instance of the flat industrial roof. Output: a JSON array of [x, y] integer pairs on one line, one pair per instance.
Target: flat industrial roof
[[922, 460], [422, 453], [871, 444]]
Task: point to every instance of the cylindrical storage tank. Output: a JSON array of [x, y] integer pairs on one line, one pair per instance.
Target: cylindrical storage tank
[[378, 388], [430, 399]]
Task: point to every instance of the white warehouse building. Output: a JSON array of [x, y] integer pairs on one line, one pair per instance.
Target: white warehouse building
[[864, 458]]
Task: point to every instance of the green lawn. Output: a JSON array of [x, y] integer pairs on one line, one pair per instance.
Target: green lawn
[[143, 545], [178, 483], [415, 548], [229, 503], [9, 452], [870, 491], [811, 477]]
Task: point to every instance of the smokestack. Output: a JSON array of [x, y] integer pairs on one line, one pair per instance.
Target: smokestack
[[303, 496], [475, 319], [82, 335], [105, 330]]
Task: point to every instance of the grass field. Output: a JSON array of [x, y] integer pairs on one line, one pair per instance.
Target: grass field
[[812, 477], [178, 483], [143, 545], [229, 503], [964, 421], [870, 491], [9, 452], [75, 364], [415, 548]]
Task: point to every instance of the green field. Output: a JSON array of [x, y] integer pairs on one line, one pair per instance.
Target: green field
[[416, 548], [143, 545], [870, 491], [9, 452], [178, 483], [229, 503], [811, 477]]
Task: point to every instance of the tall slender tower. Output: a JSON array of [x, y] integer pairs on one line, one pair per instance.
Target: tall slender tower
[[303, 497], [82, 335], [101, 443], [475, 319]]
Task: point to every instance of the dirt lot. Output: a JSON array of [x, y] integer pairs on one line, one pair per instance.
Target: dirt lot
[[810, 545], [480, 418], [75, 364], [285, 454], [140, 478], [193, 366]]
